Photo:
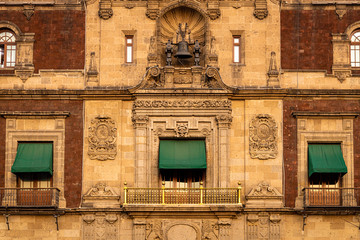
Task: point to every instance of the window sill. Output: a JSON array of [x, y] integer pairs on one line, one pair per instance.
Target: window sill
[[237, 64]]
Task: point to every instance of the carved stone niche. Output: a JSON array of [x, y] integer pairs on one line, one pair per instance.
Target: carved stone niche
[[264, 196], [263, 137], [102, 139], [100, 226], [101, 196]]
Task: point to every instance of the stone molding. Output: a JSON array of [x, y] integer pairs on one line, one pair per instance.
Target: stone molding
[[100, 226], [263, 137], [178, 104], [101, 196], [153, 9], [102, 139], [35, 114], [264, 196], [263, 226]]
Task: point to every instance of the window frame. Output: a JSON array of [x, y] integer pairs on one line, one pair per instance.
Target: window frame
[[5, 51], [129, 46], [357, 51], [238, 46]]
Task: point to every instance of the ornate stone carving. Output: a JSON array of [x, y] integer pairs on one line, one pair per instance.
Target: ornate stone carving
[[273, 72], [213, 9], [154, 78], [182, 129], [105, 9], [263, 226], [28, 11], [263, 195], [152, 11], [92, 73], [24, 67], [139, 229], [342, 75], [182, 104], [260, 11], [224, 228], [263, 137], [210, 230], [102, 139], [102, 196], [139, 120], [212, 78], [340, 10], [100, 226], [152, 56], [154, 231], [224, 120]]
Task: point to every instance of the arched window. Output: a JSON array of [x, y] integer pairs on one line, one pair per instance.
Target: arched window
[[7, 49], [355, 49]]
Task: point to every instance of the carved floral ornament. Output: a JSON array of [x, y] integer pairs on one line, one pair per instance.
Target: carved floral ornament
[[263, 137], [102, 139]]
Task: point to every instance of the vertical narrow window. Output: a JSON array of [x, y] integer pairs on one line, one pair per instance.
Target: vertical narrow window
[[7, 49], [236, 49], [355, 49], [129, 43]]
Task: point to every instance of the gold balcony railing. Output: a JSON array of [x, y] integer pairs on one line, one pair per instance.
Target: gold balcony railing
[[199, 195], [29, 197], [331, 197]]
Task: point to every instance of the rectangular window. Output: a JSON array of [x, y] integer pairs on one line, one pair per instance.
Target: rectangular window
[[355, 55], [10, 55], [129, 44], [236, 49]]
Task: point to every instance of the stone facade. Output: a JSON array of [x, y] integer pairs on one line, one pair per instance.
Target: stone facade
[[100, 80]]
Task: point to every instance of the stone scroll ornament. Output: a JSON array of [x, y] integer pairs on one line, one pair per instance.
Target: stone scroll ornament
[[102, 139], [263, 137]]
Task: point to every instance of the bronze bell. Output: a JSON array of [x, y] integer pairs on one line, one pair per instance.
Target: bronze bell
[[183, 50]]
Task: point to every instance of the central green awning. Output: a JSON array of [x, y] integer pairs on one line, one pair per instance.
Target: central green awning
[[182, 154], [33, 158], [326, 158]]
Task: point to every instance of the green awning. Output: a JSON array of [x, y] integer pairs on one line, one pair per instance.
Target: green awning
[[33, 157], [326, 159], [182, 154]]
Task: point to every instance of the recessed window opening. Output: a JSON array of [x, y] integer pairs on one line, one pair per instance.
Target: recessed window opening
[[129, 44], [236, 49], [355, 49]]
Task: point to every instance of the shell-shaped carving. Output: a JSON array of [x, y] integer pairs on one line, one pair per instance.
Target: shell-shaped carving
[[169, 24]]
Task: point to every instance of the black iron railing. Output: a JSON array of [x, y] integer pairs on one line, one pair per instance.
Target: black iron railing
[[29, 197], [331, 197]]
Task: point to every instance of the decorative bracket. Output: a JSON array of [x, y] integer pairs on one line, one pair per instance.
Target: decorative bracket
[[152, 11], [28, 11], [213, 9], [105, 9], [260, 11]]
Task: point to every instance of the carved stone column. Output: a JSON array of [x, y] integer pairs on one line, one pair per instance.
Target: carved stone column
[[139, 229], [224, 229], [140, 125], [341, 60], [224, 122], [169, 76]]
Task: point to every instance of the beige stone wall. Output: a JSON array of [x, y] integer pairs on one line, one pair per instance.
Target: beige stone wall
[[111, 172], [242, 167]]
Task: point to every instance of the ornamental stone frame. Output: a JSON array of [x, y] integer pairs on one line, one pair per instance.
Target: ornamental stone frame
[[17, 131], [205, 119], [324, 128]]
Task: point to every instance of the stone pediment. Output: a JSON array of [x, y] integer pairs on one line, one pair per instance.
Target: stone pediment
[[101, 196], [169, 78], [264, 196]]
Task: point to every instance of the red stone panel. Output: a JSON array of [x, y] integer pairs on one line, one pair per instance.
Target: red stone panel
[[290, 138], [306, 37], [59, 37], [73, 140]]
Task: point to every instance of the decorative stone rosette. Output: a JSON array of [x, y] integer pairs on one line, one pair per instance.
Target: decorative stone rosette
[[102, 139], [263, 137]]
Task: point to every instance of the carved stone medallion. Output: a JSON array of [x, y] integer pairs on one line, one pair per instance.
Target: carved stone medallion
[[102, 139], [100, 226], [263, 137]]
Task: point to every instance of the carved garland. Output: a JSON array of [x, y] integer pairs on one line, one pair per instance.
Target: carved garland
[[263, 137], [102, 139]]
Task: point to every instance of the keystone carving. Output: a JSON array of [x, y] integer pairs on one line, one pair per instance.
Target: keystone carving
[[28, 11], [342, 75], [260, 11], [100, 226], [263, 137], [102, 139], [105, 9], [182, 130]]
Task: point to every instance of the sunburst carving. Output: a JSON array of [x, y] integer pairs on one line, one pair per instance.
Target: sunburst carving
[[169, 24]]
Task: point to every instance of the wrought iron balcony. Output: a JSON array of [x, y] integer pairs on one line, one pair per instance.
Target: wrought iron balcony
[[332, 197], [29, 197], [199, 195]]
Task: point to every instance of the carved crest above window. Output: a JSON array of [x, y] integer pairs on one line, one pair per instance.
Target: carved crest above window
[[263, 137], [102, 139]]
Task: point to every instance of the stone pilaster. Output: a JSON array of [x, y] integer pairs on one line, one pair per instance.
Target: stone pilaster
[[139, 229], [224, 122]]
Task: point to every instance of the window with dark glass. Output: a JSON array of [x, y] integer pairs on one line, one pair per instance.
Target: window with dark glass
[[7, 49]]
